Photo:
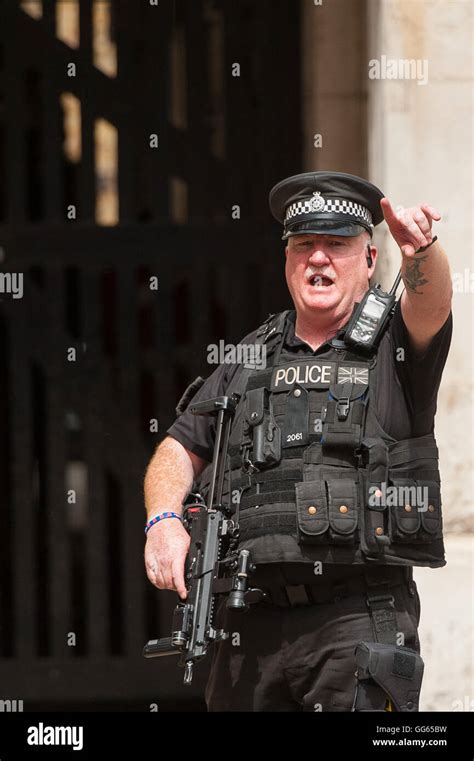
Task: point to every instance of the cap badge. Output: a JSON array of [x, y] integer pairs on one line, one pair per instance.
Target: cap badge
[[317, 202]]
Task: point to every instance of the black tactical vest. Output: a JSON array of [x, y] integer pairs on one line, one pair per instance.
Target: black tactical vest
[[308, 457]]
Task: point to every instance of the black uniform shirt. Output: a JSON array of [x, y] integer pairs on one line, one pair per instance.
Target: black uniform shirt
[[407, 387]]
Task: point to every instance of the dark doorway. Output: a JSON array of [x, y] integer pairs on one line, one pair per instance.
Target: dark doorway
[[138, 143]]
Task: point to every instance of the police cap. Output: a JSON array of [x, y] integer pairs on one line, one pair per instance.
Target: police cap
[[334, 203]]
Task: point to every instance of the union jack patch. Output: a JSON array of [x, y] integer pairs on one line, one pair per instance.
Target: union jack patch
[[353, 375]]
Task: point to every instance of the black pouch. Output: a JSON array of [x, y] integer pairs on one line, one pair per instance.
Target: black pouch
[[374, 529], [295, 424], [327, 507], [431, 517], [405, 519], [387, 674], [415, 508], [415, 516], [264, 433], [343, 506], [312, 512], [345, 414]]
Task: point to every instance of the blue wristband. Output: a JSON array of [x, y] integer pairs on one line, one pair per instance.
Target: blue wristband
[[158, 518]]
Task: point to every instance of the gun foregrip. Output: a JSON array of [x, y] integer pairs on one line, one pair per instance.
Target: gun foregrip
[[155, 648]]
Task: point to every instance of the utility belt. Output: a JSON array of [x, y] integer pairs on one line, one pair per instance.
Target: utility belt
[[291, 585]]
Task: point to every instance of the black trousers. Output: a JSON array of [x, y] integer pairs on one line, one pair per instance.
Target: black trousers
[[286, 656]]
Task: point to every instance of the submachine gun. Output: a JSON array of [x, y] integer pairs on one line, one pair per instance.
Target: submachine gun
[[213, 566]]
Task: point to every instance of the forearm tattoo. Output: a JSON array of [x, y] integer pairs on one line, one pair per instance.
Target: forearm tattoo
[[413, 277]]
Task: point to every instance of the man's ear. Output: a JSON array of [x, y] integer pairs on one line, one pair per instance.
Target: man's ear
[[368, 255], [371, 254], [286, 251]]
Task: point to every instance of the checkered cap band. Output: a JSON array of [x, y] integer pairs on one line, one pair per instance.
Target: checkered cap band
[[331, 205]]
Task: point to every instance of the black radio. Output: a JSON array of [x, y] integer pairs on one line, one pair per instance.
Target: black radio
[[370, 317]]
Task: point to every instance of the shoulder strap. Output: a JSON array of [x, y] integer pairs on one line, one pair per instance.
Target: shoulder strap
[[273, 326], [269, 333]]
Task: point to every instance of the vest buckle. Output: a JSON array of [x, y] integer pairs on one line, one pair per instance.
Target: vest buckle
[[342, 407]]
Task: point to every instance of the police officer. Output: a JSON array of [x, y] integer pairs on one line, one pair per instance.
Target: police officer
[[332, 464]]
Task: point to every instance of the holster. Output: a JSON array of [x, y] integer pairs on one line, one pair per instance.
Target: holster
[[262, 433], [387, 673]]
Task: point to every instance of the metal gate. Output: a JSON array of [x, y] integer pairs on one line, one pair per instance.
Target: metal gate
[[138, 142]]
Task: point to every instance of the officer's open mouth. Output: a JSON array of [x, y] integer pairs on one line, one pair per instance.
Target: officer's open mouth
[[320, 280]]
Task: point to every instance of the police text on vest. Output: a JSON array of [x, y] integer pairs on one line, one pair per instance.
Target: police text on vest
[[307, 374]]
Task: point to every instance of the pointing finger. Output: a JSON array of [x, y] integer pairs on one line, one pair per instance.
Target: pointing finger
[[388, 211]]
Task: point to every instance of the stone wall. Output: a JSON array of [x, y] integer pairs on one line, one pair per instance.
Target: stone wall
[[415, 142]]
